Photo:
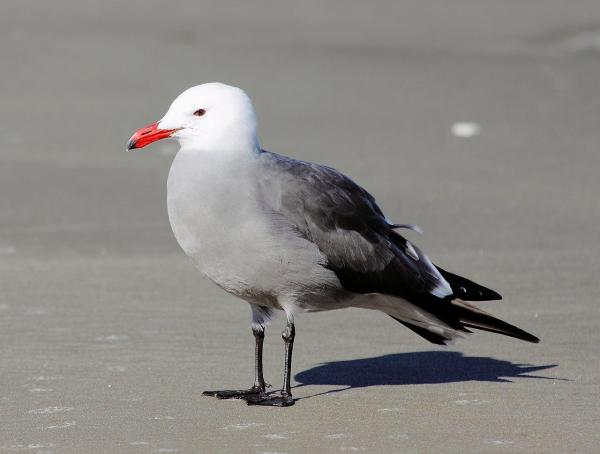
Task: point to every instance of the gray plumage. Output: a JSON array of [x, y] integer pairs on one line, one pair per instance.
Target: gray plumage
[[296, 236], [345, 223], [287, 234], [299, 236]]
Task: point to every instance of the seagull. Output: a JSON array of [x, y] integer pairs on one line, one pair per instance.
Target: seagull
[[290, 235]]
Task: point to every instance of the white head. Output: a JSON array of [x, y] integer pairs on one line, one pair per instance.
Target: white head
[[210, 117]]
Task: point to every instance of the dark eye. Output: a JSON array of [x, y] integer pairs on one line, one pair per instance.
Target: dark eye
[[199, 112]]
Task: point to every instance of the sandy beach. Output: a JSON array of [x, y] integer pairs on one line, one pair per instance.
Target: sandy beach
[[478, 121]]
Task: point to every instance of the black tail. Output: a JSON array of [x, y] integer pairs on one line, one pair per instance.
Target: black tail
[[460, 316], [473, 317]]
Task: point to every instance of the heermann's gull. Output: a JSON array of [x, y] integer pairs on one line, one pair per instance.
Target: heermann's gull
[[292, 235]]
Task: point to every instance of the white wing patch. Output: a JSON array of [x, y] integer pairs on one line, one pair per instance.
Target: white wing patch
[[413, 227], [442, 289], [410, 251]]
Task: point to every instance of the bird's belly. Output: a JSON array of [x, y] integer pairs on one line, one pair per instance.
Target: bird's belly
[[242, 249]]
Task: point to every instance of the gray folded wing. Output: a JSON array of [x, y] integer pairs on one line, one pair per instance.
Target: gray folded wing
[[343, 220]]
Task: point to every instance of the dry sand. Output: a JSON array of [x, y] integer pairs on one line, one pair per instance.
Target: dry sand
[[108, 335]]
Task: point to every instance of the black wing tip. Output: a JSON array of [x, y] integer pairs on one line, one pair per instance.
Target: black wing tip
[[525, 336], [531, 338], [436, 339], [506, 330], [475, 294], [492, 295], [466, 289]]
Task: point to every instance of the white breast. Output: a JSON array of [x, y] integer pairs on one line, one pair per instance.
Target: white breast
[[218, 220]]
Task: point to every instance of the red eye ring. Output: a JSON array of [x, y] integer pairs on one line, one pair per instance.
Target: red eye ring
[[199, 112]]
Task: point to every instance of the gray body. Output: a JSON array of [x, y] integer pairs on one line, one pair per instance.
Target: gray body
[[272, 230], [297, 236], [225, 219]]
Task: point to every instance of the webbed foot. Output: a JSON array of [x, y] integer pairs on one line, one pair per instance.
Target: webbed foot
[[276, 399], [254, 392]]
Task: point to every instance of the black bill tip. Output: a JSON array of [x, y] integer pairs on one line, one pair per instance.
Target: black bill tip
[[131, 144]]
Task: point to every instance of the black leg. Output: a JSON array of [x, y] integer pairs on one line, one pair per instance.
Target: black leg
[[284, 397], [258, 389], [259, 380], [288, 336]]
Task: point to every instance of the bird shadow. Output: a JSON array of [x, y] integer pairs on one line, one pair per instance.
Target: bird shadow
[[418, 368]]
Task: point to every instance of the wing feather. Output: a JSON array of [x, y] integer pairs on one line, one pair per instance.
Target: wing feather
[[366, 253], [345, 222]]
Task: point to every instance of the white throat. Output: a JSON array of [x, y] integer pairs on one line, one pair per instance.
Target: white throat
[[235, 141]]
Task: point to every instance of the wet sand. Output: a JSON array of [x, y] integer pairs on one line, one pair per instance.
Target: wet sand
[[108, 335]]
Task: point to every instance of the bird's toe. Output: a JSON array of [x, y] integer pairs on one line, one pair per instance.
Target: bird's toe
[[236, 393], [271, 400]]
